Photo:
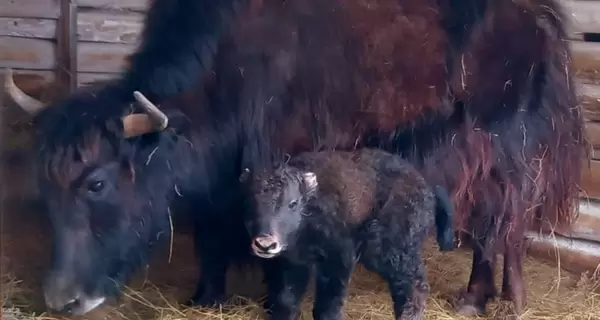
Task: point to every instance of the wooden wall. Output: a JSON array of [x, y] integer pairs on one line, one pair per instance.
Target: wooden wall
[[107, 31]]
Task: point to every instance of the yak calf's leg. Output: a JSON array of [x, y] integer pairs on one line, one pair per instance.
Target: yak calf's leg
[[513, 288], [404, 272], [402, 280], [333, 276], [214, 262], [415, 305], [481, 287], [287, 283]]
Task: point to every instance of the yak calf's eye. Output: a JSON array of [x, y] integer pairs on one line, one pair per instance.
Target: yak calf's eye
[[96, 186], [293, 203]]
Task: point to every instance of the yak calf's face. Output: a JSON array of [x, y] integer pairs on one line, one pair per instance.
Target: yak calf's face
[[102, 230], [280, 199]]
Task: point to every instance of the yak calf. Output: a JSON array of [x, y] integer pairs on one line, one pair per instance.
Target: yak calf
[[329, 209]]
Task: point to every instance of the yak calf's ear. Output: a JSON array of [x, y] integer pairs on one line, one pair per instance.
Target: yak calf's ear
[[245, 174], [310, 180]]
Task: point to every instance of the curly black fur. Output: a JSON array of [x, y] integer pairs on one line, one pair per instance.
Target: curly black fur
[[330, 209]]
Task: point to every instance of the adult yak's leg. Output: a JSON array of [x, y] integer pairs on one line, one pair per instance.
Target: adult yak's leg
[[213, 255], [529, 103], [481, 285], [513, 288]]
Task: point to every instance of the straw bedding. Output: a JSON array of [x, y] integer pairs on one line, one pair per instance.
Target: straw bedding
[[552, 294]]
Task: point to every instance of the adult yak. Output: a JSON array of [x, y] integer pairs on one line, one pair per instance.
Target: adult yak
[[477, 93]]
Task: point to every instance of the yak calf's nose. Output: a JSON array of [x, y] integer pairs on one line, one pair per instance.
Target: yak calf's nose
[[265, 244]]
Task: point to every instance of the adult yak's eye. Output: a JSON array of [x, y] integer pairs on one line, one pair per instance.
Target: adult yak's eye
[[96, 186], [293, 204]]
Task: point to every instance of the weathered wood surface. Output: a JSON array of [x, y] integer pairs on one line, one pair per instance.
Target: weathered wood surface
[[30, 8], [586, 60], [577, 249], [584, 16], [31, 80], [28, 27], [23, 53], [571, 254], [593, 134], [110, 27], [590, 180], [98, 57], [589, 96], [37, 54], [50, 8], [587, 226], [134, 5], [67, 44], [92, 26]]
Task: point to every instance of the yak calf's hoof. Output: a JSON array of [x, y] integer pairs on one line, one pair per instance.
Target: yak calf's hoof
[[468, 306]]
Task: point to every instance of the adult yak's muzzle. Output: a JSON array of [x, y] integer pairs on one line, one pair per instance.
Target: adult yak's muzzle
[[72, 286], [63, 293]]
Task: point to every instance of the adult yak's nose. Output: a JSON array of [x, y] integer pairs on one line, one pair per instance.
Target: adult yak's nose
[[63, 294]]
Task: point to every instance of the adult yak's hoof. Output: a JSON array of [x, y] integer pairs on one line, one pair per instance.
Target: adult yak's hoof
[[468, 306], [206, 301]]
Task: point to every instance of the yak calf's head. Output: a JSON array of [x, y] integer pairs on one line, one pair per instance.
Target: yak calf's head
[[103, 195], [279, 202]]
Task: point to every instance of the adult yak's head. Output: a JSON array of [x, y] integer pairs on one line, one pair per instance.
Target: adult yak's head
[[105, 175]]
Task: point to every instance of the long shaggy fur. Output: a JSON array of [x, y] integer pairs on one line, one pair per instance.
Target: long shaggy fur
[[476, 93]]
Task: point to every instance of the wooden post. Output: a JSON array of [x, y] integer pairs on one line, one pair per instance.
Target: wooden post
[[66, 71]]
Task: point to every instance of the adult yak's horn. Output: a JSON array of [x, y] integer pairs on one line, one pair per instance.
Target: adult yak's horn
[[29, 104], [142, 123]]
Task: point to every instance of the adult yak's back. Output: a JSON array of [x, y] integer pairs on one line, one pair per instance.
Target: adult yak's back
[[476, 93]]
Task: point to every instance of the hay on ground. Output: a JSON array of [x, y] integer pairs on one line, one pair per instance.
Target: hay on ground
[[552, 294]]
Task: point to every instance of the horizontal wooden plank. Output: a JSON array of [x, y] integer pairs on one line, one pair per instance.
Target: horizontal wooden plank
[[589, 96], [595, 154], [23, 53], [590, 180], [85, 78], [91, 26], [30, 8], [28, 27], [586, 60], [584, 15], [572, 254], [109, 27], [137, 5], [593, 133], [31, 80], [101, 57], [38, 54], [587, 226]]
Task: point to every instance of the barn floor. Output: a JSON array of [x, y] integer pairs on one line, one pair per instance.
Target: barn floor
[[552, 293]]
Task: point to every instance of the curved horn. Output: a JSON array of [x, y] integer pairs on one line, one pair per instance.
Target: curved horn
[[29, 104], [155, 114], [141, 123]]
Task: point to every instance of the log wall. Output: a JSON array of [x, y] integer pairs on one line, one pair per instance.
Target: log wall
[[105, 33], [91, 39]]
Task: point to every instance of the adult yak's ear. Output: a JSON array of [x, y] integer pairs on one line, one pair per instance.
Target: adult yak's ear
[[178, 121], [245, 175]]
